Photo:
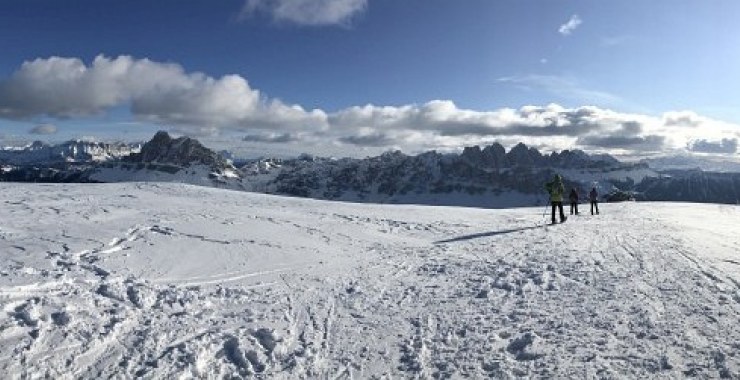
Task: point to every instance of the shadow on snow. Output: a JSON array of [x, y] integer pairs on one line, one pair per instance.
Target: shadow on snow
[[486, 234]]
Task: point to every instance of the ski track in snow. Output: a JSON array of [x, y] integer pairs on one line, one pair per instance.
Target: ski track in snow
[[177, 281]]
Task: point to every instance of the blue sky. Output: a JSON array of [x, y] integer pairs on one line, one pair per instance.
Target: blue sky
[[438, 74]]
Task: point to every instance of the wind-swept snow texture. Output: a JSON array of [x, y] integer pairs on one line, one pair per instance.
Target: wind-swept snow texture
[[178, 281]]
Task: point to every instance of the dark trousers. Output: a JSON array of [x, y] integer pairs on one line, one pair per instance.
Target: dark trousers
[[558, 205], [595, 205], [574, 208]]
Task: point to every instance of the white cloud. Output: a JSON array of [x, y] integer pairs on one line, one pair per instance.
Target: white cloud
[[687, 119], [195, 103], [442, 125], [568, 28], [159, 92], [43, 129], [307, 12]]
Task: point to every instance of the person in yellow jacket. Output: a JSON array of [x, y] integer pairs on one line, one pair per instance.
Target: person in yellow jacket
[[556, 189]]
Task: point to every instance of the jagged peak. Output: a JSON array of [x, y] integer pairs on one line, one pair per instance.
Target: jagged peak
[[36, 144], [393, 154], [520, 146], [161, 137], [181, 151], [520, 154]]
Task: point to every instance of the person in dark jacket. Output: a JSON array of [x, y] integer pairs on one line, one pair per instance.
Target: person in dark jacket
[[556, 189], [573, 201], [594, 197]]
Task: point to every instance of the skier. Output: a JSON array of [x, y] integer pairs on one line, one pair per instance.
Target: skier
[[556, 189], [594, 197], [573, 201]]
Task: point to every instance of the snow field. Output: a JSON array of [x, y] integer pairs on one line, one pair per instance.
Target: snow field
[[176, 281]]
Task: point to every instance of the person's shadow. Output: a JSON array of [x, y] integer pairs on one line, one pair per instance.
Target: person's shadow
[[485, 234]]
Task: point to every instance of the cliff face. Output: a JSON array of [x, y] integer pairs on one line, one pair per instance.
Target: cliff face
[[182, 151], [476, 172]]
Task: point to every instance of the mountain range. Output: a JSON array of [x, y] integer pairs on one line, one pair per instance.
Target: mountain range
[[487, 176], [73, 151]]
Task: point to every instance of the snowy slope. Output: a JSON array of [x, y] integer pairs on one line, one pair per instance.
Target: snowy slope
[[195, 174], [171, 280]]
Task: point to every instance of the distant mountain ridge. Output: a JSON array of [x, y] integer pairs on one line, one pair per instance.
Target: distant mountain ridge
[[690, 186], [495, 156], [73, 151], [487, 176], [163, 158]]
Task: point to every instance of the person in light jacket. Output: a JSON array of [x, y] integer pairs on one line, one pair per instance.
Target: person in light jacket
[[556, 189]]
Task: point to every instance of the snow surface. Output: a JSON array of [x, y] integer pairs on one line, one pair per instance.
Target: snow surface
[[195, 174], [159, 280]]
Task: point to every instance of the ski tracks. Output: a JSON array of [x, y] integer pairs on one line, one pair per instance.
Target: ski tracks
[[105, 324], [634, 291], [596, 297]]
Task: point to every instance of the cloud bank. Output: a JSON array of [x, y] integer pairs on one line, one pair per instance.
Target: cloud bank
[[724, 146], [307, 12], [271, 138], [195, 103], [157, 92]]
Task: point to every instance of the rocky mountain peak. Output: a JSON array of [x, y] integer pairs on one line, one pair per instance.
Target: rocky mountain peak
[[181, 151], [36, 145], [521, 155]]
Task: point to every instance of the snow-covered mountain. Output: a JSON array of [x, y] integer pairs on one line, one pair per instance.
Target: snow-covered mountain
[[168, 281], [484, 177], [181, 151], [74, 151], [479, 177], [162, 159], [691, 186], [487, 177]]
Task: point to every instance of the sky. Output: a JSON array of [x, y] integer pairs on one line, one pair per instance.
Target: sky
[[358, 77]]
